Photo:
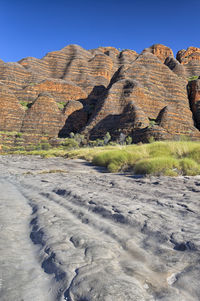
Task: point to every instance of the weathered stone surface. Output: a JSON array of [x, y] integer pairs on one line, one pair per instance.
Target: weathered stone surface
[[74, 123], [75, 116], [192, 53], [60, 90], [107, 237], [118, 104], [71, 107], [11, 112], [75, 64], [127, 57], [161, 51], [190, 59], [14, 76], [44, 117], [194, 97], [162, 88], [176, 67], [150, 86], [104, 89]]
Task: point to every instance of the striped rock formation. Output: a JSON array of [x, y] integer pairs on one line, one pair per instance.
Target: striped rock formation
[[146, 88], [60, 90], [103, 90], [190, 59], [11, 112], [161, 51], [194, 97], [43, 117]]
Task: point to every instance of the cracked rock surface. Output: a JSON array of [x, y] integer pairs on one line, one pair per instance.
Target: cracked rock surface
[[70, 231]]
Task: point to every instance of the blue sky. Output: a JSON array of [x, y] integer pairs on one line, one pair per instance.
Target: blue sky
[[33, 28]]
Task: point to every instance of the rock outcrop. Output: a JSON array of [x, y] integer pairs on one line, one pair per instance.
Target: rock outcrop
[[60, 90], [161, 51], [190, 59], [194, 97], [103, 90], [11, 112], [148, 86], [43, 117]]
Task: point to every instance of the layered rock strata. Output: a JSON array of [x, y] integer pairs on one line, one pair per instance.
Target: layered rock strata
[[190, 59], [11, 112], [194, 97], [103, 90]]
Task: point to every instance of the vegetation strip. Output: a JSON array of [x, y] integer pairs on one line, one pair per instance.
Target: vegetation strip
[[169, 158]]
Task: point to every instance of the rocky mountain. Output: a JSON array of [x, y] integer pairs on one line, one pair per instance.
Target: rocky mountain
[[103, 90]]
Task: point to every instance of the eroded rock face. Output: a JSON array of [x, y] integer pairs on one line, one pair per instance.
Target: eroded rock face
[[118, 110], [194, 97], [44, 117], [75, 117], [103, 90], [190, 59], [73, 63], [11, 112], [60, 90], [192, 53], [161, 51], [176, 66], [14, 76], [148, 86]]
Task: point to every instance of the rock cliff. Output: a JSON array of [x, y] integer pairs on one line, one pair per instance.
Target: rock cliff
[[103, 90]]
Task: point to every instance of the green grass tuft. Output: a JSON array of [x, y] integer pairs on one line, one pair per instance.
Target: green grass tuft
[[189, 167], [115, 160], [159, 149], [156, 166], [169, 158], [195, 77], [194, 154]]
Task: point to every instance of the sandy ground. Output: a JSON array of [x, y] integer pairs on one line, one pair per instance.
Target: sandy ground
[[70, 231]]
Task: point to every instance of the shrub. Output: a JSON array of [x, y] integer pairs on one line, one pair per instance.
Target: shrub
[[38, 146], [195, 77], [194, 154], [42, 146], [61, 105], [107, 138], [156, 166], [159, 149], [151, 139], [26, 104], [99, 142], [20, 148], [18, 135], [152, 122], [45, 146], [184, 138], [79, 138], [113, 143], [92, 143], [122, 138], [113, 167], [5, 148], [70, 143], [115, 160], [189, 167], [129, 140], [167, 158], [71, 135]]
